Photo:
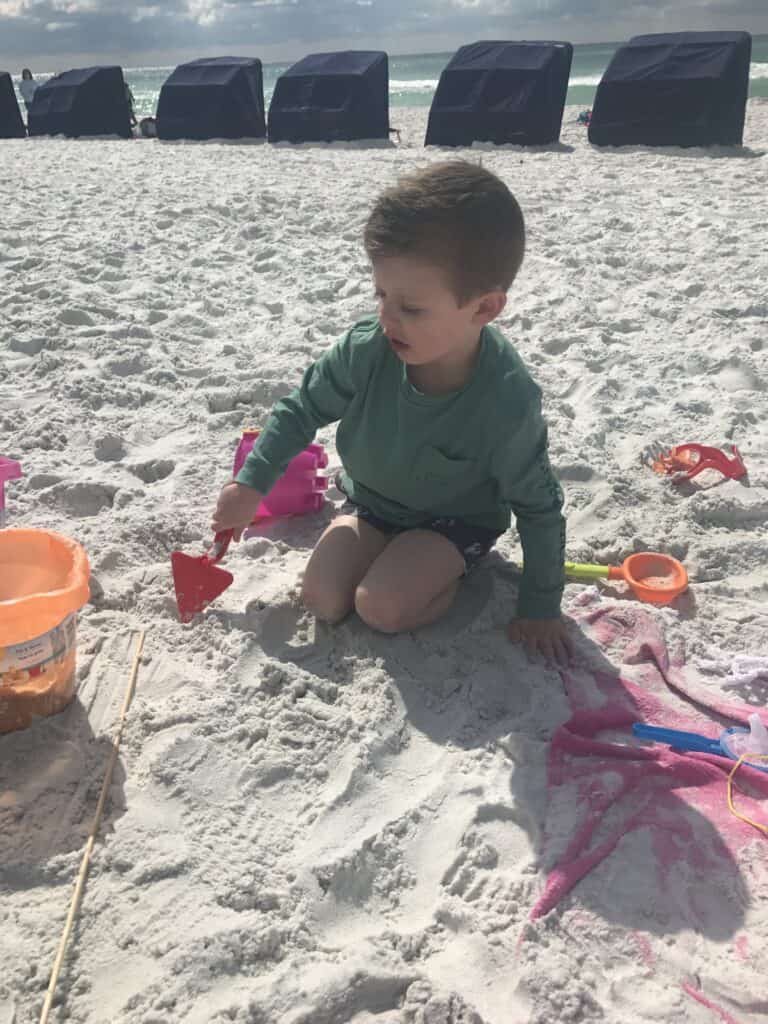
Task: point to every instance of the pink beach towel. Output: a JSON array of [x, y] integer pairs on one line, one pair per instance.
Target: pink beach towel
[[604, 784]]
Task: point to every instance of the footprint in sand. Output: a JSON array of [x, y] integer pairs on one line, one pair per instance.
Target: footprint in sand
[[82, 499], [128, 365], [27, 346], [153, 470], [109, 448], [75, 317]]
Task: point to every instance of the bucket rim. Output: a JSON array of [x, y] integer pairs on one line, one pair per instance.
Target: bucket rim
[[46, 610]]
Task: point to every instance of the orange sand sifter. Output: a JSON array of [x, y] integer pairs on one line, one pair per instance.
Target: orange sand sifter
[[653, 577]]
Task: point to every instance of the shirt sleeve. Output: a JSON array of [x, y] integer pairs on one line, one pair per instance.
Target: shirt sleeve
[[529, 488], [325, 392]]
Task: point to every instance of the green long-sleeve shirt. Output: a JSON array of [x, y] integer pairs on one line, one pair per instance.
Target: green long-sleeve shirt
[[478, 454]]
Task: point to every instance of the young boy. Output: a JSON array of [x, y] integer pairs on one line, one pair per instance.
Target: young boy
[[440, 435]]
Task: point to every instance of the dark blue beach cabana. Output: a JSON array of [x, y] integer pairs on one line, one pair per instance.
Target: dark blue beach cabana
[[83, 101], [327, 97], [11, 124], [681, 89], [501, 92], [213, 98]]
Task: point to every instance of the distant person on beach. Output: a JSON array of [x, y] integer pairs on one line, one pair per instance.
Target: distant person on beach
[[27, 88], [130, 101], [441, 436]]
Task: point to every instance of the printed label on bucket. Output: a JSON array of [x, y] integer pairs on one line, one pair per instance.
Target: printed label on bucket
[[33, 656]]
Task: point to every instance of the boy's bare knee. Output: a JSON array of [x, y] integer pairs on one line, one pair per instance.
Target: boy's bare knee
[[325, 603], [379, 610]]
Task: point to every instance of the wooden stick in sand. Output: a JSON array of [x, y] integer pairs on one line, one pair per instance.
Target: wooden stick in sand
[[80, 884]]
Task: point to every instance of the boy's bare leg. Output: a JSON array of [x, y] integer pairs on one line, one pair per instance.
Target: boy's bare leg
[[412, 582], [341, 558]]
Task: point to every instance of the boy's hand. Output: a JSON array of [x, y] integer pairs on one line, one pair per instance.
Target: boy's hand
[[548, 637], [235, 509]]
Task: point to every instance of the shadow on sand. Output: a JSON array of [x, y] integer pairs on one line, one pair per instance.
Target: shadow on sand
[[499, 701]]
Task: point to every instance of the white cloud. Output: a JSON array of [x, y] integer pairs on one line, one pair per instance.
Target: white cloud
[[142, 13], [204, 12], [76, 6], [13, 8], [290, 28]]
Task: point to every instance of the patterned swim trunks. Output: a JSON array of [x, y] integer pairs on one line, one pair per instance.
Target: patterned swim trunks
[[473, 542]]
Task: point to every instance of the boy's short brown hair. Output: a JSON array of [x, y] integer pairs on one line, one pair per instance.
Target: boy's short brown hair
[[456, 215]]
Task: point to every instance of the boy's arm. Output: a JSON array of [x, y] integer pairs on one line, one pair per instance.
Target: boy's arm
[[529, 487], [326, 390]]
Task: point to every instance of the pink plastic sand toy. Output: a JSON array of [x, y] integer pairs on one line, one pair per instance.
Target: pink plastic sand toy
[[9, 470], [300, 488]]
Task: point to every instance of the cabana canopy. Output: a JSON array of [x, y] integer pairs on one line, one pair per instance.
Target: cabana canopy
[[11, 124], [501, 92], [83, 101], [327, 97], [213, 98], [681, 89]]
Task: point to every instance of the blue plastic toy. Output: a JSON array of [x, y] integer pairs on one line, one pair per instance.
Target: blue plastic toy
[[726, 746]]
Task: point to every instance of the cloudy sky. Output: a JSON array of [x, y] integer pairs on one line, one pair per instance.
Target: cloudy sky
[[43, 33]]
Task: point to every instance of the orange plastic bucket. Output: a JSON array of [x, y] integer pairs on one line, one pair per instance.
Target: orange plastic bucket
[[43, 583]]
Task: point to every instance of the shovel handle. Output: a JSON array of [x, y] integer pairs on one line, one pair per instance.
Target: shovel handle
[[677, 738], [218, 549], [584, 572]]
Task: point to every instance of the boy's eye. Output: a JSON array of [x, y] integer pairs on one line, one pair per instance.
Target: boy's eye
[[406, 310]]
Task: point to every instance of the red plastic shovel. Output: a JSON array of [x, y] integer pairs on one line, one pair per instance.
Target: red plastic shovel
[[198, 580]]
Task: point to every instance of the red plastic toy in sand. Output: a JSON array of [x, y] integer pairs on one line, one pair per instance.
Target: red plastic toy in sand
[[198, 580], [687, 460]]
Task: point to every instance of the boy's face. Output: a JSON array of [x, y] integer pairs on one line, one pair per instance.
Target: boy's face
[[420, 315]]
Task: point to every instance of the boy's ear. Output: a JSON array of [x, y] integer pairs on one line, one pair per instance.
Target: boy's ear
[[489, 306]]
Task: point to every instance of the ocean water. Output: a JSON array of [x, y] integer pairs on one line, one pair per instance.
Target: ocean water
[[413, 78]]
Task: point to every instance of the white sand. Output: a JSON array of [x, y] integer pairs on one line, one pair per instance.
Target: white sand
[[327, 826]]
